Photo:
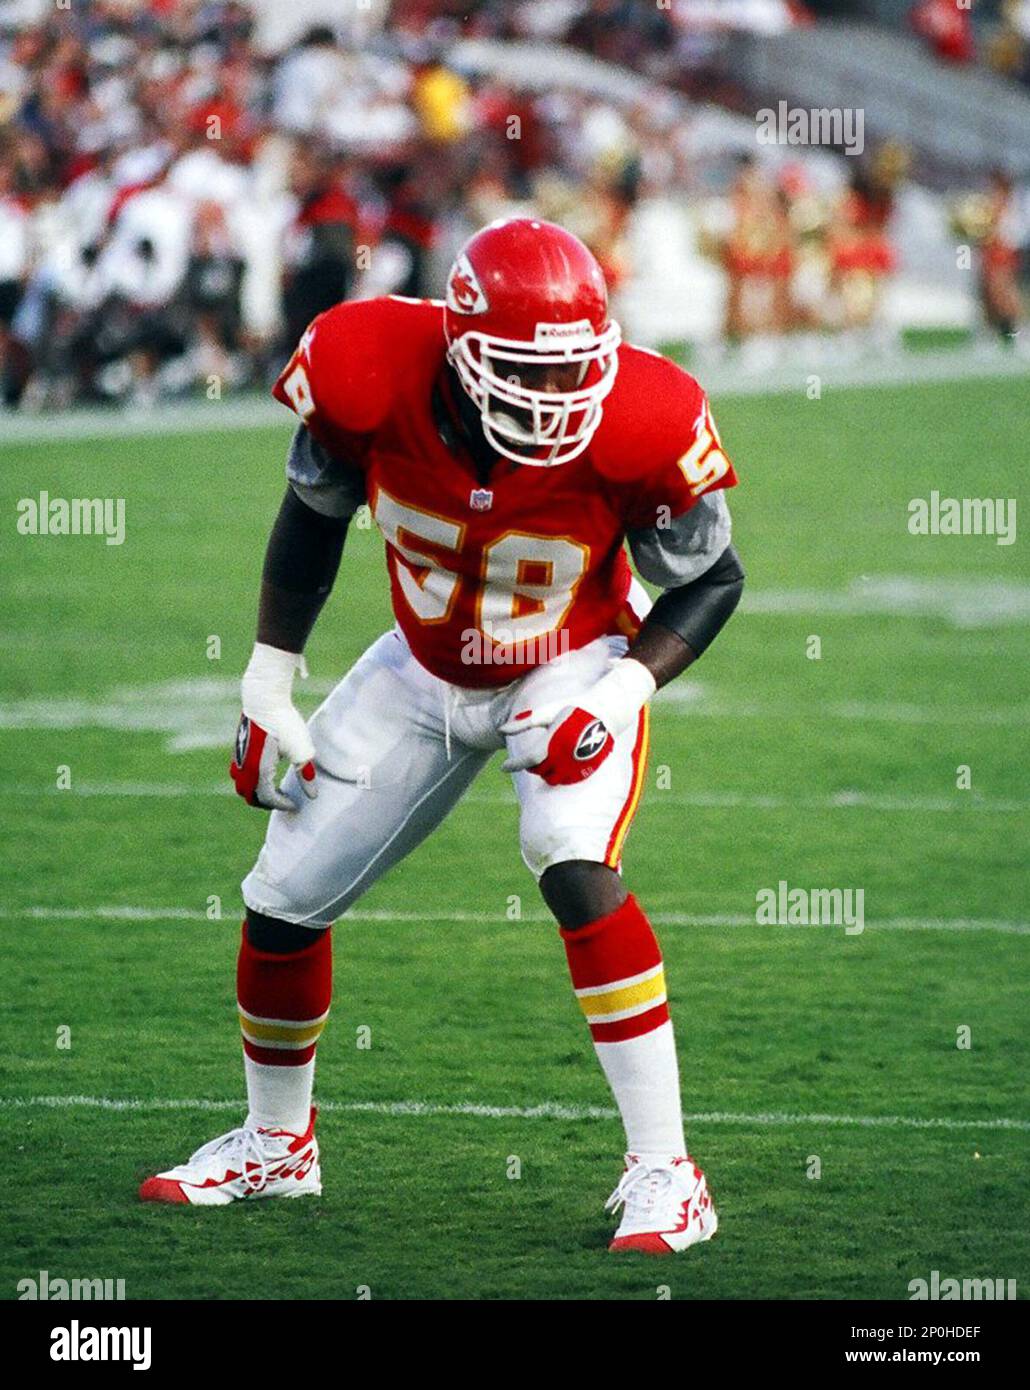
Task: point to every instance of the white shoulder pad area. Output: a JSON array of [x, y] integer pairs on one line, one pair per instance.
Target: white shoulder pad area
[[319, 480], [681, 552]]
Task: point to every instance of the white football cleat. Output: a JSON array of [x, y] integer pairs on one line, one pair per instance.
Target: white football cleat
[[666, 1206], [241, 1164]]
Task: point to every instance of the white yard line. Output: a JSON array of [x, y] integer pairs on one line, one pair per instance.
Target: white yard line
[[843, 800], [548, 1110], [191, 716], [131, 913], [193, 713], [192, 417]]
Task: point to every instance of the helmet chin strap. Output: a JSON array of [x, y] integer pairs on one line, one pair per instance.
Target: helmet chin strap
[[542, 453], [480, 427], [469, 420], [493, 424], [507, 425]]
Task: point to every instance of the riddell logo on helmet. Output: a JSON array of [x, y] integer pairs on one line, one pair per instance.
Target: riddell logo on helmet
[[464, 292], [547, 333]]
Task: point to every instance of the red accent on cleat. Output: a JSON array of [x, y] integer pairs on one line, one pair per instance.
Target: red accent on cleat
[[648, 1243], [162, 1190]]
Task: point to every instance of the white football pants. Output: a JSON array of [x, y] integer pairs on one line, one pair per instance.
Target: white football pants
[[396, 748]]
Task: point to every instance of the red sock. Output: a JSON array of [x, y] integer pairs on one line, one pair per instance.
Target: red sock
[[616, 968], [283, 1004], [284, 1000], [619, 979]]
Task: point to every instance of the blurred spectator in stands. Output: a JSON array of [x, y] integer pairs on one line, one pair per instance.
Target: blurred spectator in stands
[[401, 260], [210, 299], [320, 243], [1008, 46], [622, 31], [308, 80], [14, 269], [1000, 257], [606, 205], [441, 99], [858, 237], [947, 27], [1017, 16], [758, 255], [116, 350]]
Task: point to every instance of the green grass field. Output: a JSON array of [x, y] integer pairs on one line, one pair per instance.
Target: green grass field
[[794, 1042]]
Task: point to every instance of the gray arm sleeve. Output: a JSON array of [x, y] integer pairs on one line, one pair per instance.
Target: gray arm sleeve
[[320, 481], [681, 552]]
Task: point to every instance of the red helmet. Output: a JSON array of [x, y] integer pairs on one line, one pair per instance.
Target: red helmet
[[524, 292]]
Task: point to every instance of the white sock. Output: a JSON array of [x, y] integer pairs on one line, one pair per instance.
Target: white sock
[[279, 1097], [644, 1077]]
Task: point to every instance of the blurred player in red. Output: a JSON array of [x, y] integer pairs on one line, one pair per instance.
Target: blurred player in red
[[508, 446]]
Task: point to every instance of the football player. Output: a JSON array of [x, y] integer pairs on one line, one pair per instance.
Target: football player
[[508, 446]]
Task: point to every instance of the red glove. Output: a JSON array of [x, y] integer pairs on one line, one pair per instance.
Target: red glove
[[255, 765], [576, 749], [566, 744], [563, 749]]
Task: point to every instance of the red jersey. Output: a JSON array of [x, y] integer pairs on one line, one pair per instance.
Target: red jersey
[[491, 576]]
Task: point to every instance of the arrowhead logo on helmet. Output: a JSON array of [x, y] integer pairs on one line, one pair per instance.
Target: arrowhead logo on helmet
[[464, 292]]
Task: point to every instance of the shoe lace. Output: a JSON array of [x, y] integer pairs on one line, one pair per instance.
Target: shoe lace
[[247, 1151], [641, 1190]]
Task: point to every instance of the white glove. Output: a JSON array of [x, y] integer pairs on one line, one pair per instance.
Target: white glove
[[268, 709]]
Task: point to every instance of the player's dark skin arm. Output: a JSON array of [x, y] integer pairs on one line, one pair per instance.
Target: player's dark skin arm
[[301, 563], [686, 620], [663, 653]]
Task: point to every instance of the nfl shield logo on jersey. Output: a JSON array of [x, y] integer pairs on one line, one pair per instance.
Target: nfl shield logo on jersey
[[481, 499]]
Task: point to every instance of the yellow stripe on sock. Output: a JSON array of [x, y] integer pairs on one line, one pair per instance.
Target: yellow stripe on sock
[[269, 1033], [613, 1002]]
